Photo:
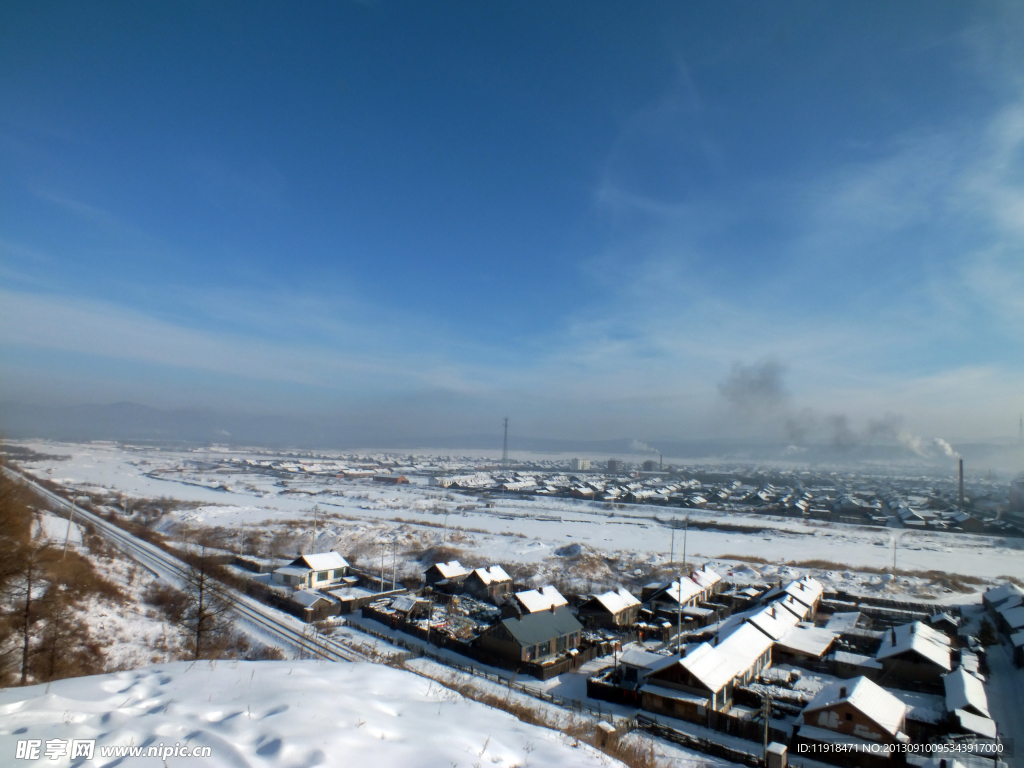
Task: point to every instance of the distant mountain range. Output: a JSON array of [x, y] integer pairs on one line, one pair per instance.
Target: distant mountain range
[[130, 422]]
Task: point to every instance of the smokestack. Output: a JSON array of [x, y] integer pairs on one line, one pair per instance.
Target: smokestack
[[961, 483]]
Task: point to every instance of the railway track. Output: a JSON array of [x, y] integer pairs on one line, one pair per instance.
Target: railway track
[[165, 565]]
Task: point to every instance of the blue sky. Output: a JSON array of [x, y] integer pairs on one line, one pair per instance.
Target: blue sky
[[591, 217]]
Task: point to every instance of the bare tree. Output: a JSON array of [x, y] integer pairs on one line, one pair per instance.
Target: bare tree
[[204, 619]]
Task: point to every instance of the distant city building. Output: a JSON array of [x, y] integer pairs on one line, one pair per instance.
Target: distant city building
[[615, 465], [650, 465], [579, 465]]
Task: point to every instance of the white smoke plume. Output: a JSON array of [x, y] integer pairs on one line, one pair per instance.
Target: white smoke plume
[[946, 448], [635, 446]]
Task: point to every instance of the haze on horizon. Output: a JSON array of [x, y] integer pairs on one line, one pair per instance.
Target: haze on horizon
[[789, 222]]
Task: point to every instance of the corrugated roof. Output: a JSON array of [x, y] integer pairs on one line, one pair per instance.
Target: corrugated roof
[[539, 627], [965, 691], [871, 699]]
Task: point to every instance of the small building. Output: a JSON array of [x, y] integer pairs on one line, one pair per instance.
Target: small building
[[533, 637], [391, 479], [490, 584], [319, 571], [410, 608], [965, 692], [710, 673], [915, 654], [615, 609], [636, 665], [858, 708], [452, 572], [543, 599]]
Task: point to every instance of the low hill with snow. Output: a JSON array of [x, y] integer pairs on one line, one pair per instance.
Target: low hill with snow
[[267, 714]]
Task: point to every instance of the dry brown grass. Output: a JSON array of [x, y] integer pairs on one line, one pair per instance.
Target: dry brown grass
[[629, 752]]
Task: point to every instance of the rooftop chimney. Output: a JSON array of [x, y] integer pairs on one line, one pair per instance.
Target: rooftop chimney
[[842, 692], [961, 483], [892, 631]]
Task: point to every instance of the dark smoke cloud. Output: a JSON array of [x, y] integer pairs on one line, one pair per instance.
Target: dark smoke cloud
[[756, 388]]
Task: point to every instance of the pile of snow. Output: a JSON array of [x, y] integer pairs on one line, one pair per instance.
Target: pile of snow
[[281, 713]]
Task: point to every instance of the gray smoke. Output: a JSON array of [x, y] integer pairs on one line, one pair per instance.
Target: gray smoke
[[636, 446], [756, 388]]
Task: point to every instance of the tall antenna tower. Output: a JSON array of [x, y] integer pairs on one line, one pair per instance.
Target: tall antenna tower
[[504, 447]]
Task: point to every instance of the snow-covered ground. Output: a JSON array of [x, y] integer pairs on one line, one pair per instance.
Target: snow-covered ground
[[623, 544], [286, 713]]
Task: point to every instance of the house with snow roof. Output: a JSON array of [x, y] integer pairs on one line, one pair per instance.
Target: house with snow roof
[[491, 584], [319, 571], [452, 573], [706, 677], [855, 712], [915, 655], [535, 600], [613, 609]]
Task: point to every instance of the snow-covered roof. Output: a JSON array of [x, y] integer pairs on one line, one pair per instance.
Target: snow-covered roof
[[920, 638], [308, 597], [705, 577], [323, 561], [1014, 617], [982, 726], [842, 622], [806, 590], [998, 594], [682, 590], [716, 665], [542, 599], [965, 691], [814, 641], [493, 575], [871, 699], [637, 657], [1009, 603], [404, 603], [291, 570], [794, 606], [773, 620], [617, 600], [451, 570]]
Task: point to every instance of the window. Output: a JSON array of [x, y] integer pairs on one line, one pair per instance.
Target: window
[[322, 576], [560, 644], [849, 717], [338, 573]]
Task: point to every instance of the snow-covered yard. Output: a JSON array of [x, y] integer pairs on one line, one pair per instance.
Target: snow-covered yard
[[286, 713]]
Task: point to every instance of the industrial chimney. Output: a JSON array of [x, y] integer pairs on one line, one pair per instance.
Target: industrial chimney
[[961, 483]]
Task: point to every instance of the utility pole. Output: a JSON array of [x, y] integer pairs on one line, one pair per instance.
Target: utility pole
[[67, 537], [394, 564], [686, 528], [679, 616], [312, 545], [672, 548], [382, 551], [504, 448], [894, 554], [766, 713]]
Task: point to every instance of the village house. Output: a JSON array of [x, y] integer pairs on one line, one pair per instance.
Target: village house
[[705, 678], [856, 709], [535, 637], [637, 665], [915, 655], [967, 704], [451, 573], [669, 596], [615, 609], [318, 571], [492, 584]]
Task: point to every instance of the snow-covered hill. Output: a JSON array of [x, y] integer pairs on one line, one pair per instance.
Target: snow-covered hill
[[294, 714]]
